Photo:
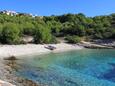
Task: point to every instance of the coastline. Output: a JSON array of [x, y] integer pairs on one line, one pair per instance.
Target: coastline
[[28, 49], [31, 49], [3, 83], [36, 49], [4, 75]]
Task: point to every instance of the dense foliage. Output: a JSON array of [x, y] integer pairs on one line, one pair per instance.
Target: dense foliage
[[73, 39], [10, 34], [46, 29], [42, 35]]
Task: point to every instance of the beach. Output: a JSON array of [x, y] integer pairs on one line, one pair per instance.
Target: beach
[[31, 49], [37, 49]]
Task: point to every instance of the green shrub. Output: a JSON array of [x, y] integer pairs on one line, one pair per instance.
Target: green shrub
[[0, 31], [73, 39], [10, 34], [54, 40], [28, 28], [42, 35]]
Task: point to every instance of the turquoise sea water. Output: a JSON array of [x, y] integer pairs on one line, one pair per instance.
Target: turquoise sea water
[[85, 67]]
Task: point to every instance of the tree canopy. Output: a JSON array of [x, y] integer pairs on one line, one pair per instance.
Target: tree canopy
[[46, 29]]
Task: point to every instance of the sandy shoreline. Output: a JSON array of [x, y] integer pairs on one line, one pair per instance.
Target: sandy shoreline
[[20, 50]]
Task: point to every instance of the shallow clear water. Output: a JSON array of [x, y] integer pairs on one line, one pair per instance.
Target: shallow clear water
[[85, 67]]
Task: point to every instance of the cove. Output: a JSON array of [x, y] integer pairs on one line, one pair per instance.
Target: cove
[[86, 67]]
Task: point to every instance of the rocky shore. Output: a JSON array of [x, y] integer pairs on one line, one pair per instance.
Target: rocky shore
[[3, 83], [98, 44], [7, 75]]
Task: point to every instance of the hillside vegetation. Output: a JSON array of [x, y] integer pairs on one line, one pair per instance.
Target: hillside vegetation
[[46, 29]]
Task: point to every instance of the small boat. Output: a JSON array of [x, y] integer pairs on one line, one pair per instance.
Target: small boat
[[50, 47]]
